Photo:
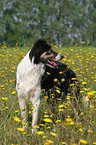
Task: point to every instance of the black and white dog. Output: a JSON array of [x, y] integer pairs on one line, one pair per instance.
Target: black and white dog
[[29, 74]]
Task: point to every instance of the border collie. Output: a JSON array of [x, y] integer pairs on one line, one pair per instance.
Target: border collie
[[29, 74], [61, 78]]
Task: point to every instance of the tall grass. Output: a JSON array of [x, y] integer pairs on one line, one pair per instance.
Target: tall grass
[[69, 131]]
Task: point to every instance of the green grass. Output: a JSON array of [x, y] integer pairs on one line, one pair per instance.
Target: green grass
[[82, 60]]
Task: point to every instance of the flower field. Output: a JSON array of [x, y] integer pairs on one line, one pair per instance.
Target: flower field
[[67, 131]]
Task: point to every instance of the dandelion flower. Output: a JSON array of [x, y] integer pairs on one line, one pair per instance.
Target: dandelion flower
[[4, 98], [64, 143], [40, 132], [14, 92], [44, 136], [6, 107], [83, 83], [50, 141], [68, 120], [94, 143], [57, 121], [58, 91], [91, 107], [48, 120], [36, 126], [61, 106], [16, 111], [83, 141], [17, 119], [53, 134], [80, 129], [48, 73], [89, 131], [72, 123], [46, 115], [82, 113], [60, 110], [20, 129], [48, 127]]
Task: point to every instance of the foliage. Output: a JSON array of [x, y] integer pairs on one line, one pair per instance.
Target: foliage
[[69, 131], [58, 21]]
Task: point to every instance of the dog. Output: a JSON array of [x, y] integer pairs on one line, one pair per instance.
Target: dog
[[61, 78], [29, 74]]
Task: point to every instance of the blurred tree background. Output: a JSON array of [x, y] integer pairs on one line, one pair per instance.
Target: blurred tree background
[[58, 21]]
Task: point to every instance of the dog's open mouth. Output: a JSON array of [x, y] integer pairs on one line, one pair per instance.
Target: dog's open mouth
[[52, 64]]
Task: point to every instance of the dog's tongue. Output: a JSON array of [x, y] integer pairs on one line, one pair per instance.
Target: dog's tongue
[[52, 62]]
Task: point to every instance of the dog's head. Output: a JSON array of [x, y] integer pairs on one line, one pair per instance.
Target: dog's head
[[42, 52]]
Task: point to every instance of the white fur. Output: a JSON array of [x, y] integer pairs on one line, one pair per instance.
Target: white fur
[[28, 85], [58, 57]]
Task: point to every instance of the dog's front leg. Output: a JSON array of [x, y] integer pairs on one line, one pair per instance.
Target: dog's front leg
[[35, 113], [35, 100], [23, 108]]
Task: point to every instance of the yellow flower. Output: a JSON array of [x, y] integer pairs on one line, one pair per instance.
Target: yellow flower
[[48, 120], [94, 142], [6, 107], [91, 106], [4, 98], [83, 42], [80, 129], [53, 134], [58, 91], [20, 129], [29, 112], [14, 92], [90, 93], [68, 120], [55, 80], [50, 141], [44, 136], [62, 80], [61, 110], [2, 86], [46, 115], [32, 108], [60, 72], [36, 126], [61, 106], [83, 83], [83, 141], [24, 123], [74, 79], [89, 131], [48, 127], [82, 113], [17, 119], [24, 132], [16, 111], [48, 73], [64, 143], [41, 124], [81, 91], [72, 123], [40, 132], [57, 121]]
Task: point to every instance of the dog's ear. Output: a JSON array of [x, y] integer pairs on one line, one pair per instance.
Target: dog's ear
[[36, 54]]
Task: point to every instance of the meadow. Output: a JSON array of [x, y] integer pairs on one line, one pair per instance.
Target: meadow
[[67, 131]]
